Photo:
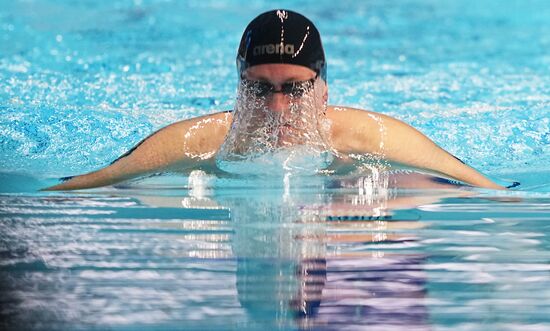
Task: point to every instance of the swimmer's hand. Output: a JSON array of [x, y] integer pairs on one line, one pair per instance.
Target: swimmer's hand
[[179, 146]]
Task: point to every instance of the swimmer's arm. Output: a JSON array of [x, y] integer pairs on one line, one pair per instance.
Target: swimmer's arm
[[399, 142], [177, 146]]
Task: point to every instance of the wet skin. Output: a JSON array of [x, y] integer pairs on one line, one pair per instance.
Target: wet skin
[[193, 143], [291, 125]]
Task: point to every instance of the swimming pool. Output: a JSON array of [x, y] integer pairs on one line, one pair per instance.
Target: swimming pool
[[81, 83]]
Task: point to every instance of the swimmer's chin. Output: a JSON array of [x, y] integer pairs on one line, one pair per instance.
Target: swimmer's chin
[[284, 142], [288, 136]]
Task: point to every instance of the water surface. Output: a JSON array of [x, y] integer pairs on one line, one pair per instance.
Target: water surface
[[81, 83]]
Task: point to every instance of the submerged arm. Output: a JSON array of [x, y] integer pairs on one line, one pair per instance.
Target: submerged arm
[[177, 146], [399, 142]]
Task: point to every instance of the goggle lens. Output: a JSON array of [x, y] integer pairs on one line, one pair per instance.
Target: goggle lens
[[292, 89]]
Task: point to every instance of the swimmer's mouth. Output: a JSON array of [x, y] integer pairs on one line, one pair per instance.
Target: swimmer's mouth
[[286, 129], [289, 135]]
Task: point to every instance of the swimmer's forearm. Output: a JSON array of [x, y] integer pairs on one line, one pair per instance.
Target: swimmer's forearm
[[148, 156], [139, 162], [399, 142], [94, 179], [404, 144], [447, 166], [175, 147], [454, 168]]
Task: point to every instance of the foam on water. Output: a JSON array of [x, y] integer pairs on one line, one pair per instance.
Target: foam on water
[[265, 141]]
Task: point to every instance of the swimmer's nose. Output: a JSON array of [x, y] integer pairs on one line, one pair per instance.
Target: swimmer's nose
[[278, 102]]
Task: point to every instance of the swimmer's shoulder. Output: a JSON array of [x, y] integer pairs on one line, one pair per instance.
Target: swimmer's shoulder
[[220, 119], [350, 114], [198, 135], [351, 119], [354, 129]]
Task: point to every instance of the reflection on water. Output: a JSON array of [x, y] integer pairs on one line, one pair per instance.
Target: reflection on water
[[300, 253], [306, 260]]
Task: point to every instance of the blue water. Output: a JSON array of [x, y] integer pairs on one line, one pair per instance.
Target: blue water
[[82, 82]]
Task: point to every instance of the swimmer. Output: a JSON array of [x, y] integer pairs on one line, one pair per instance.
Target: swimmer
[[281, 104]]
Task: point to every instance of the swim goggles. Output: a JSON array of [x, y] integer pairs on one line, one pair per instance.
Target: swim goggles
[[294, 89]]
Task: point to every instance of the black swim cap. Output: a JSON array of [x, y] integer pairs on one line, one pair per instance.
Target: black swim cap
[[282, 36]]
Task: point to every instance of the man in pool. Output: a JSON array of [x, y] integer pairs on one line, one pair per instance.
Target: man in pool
[[281, 106]]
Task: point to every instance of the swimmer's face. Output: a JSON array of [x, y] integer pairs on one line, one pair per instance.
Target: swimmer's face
[[293, 96], [281, 77], [278, 106]]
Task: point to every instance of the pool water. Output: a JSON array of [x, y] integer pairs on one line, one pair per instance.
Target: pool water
[[82, 82]]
